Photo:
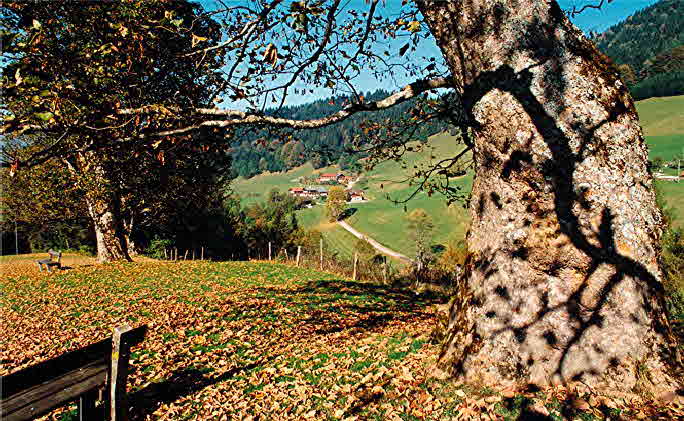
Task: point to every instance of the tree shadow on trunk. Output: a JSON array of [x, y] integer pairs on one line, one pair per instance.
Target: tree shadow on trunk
[[559, 171]]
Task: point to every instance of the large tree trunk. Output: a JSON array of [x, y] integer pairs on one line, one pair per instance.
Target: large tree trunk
[[562, 281], [112, 244], [104, 207]]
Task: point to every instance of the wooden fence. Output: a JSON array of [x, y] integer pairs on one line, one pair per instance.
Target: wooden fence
[[78, 375]]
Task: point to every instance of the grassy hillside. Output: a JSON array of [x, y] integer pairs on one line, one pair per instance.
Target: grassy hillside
[[255, 189], [255, 340], [385, 220], [661, 118], [238, 339]]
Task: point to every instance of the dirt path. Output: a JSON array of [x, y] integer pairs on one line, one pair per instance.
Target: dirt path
[[379, 247]]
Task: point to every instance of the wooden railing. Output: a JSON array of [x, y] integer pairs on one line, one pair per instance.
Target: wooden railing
[[78, 375]]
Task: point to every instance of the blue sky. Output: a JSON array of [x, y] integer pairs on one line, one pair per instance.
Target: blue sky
[[609, 15], [591, 20]]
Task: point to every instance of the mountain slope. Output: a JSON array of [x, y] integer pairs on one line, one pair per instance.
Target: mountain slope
[[644, 35], [661, 118]]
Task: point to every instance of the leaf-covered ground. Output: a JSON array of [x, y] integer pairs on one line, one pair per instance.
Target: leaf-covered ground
[[255, 340]]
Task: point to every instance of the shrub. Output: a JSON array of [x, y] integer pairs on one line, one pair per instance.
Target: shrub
[[157, 247], [453, 257]]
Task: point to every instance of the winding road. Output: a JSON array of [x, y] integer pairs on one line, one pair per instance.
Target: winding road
[[379, 247]]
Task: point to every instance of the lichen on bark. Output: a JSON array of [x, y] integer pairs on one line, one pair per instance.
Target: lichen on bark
[[563, 283]]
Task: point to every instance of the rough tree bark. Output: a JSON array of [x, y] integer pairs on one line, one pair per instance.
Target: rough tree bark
[[104, 207], [562, 281]]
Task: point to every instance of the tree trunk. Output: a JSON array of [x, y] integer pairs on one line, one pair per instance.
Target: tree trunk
[[104, 207], [131, 245], [109, 232], [562, 281]]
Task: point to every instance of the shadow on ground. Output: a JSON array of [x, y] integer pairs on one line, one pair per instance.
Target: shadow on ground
[[317, 308]]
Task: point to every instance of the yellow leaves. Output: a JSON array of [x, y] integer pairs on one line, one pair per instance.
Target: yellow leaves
[[255, 337], [14, 168], [413, 26], [271, 55]]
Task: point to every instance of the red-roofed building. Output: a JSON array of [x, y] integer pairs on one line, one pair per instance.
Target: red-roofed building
[[297, 191], [328, 177], [355, 195]]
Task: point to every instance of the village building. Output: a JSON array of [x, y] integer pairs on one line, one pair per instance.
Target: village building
[[355, 195], [297, 191], [309, 192], [321, 192], [331, 178]]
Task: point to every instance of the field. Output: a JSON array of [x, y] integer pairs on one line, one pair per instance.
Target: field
[[385, 221], [248, 340]]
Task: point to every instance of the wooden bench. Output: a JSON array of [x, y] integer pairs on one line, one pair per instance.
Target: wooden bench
[[55, 259], [78, 375]]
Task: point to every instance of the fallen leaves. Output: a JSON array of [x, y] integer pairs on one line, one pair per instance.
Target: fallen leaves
[[246, 340]]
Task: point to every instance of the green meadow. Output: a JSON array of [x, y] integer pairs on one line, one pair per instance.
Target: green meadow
[[382, 218]]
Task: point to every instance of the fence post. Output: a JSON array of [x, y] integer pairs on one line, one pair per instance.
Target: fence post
[[117, 392], [269, 250], [202, 252], [356, 259], [384, 270], [321, 254], [175, 254], [193, 253], [299, 253]]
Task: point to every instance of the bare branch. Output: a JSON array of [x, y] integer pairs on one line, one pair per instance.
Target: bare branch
[[575, 11], [238, 118]]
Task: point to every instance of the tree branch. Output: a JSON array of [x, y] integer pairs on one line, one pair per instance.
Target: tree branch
[[239, 118]]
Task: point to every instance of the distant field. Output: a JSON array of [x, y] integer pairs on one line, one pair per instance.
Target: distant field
[[674, 197], [661, 118], [256, 188]]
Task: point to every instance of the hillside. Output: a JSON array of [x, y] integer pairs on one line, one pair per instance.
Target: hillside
[[263, 151], [257, 340], [648, 48], [644, 35], [662, 120]]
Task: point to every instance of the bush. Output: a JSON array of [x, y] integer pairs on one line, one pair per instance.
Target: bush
[[453, 257], [157, 247], [87, 250]]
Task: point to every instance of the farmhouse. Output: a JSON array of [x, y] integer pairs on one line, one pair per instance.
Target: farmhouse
[[330, 177], [297, 191], [316, 192], [355, 196]]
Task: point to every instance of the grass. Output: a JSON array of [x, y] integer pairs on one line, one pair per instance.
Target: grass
[[251, 339], [662, 120], [662, 116], [673, 193], [242, 338]]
